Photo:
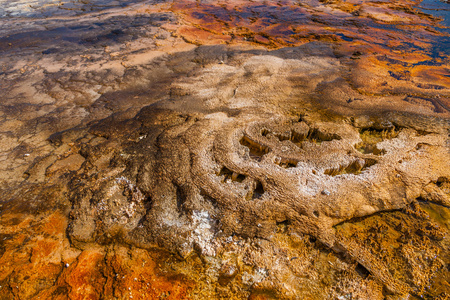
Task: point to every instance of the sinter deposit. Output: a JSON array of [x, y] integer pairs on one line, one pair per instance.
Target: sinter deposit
[[169, 150]]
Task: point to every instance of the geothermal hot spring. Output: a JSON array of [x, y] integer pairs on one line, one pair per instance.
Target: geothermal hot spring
[[181, 149]]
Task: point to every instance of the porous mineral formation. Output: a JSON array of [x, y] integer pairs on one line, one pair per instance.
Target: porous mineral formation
[[172, 150], [245, 161]]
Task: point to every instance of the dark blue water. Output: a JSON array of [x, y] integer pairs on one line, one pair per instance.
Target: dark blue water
[[441, 10], [438, 9]]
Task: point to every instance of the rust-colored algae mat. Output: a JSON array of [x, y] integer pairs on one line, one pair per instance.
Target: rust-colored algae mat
[[224, 149]]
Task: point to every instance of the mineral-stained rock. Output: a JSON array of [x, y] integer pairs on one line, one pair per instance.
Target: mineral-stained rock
[[188, 181], [224, 150]]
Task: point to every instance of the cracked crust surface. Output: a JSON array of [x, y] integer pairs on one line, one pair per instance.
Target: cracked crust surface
[[137, 162], [207, 175]]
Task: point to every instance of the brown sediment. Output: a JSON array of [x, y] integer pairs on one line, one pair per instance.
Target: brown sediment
[[240, 150]]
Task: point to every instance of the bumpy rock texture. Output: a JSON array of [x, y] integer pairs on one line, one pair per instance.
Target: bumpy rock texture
[[191, 179], [151, 165]]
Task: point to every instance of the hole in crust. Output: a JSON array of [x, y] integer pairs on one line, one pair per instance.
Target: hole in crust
[[444, 184], [421, 146], [258, 191], [314, 135], [228, 174], [283, 223], [356, 167], [283, 226], [317, 136], [181, 198], [362, 271], [286, 162], [265, 132], [441, 180], [316, 213], [372, 136], [292, 136], [256, 150]]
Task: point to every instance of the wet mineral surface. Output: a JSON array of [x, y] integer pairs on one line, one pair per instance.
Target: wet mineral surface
[[224, 149]]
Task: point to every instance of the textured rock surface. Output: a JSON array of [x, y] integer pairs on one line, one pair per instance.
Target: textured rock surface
[[141, 159], [209, 174]]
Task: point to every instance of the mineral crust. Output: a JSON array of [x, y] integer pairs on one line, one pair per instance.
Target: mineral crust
[[226, 150]]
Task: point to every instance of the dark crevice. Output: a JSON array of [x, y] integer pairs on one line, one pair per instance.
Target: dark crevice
[[283, 226], [292, 136], [420, 146], [362, 218], [228, 174], [265, 132], [257, 193], [356, 167], [283, 223], [314, 135], [444, 187], [286, 162], [387, 131], [371, 136], [317, 136], [362, 271], [256, 150], [148, 204], [442, 181], [181, 198]]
